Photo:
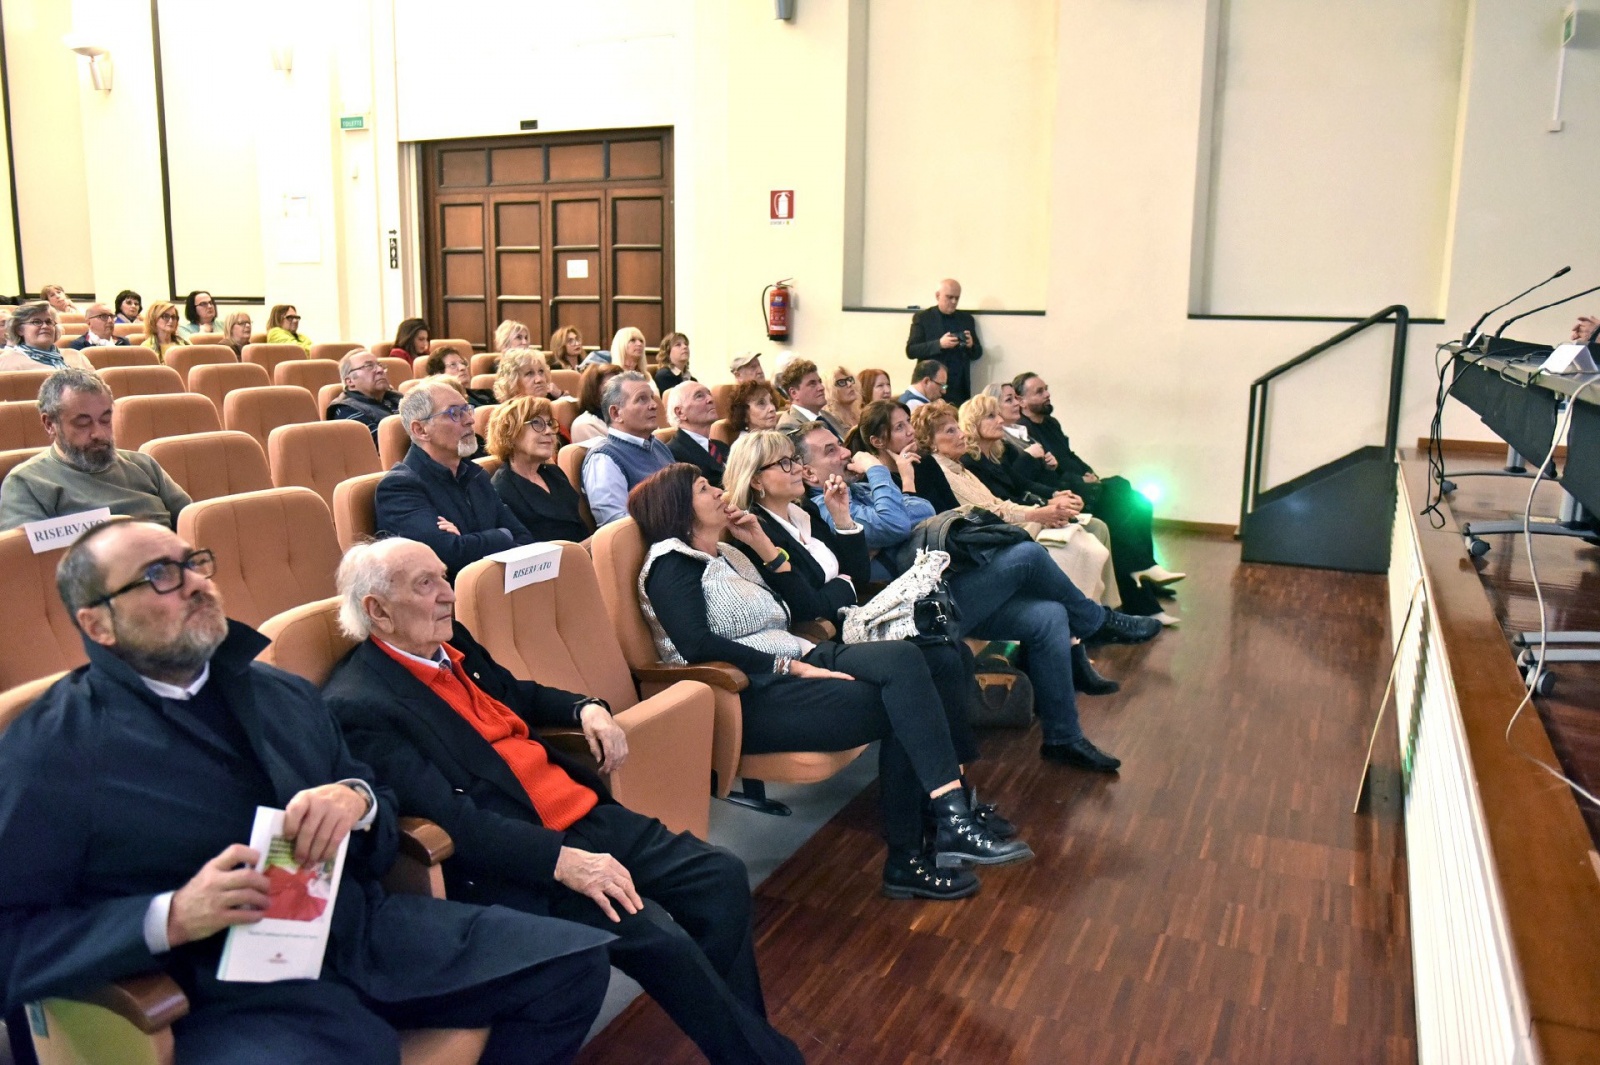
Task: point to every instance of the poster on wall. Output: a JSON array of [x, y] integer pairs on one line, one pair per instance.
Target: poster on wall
[[298, 239]]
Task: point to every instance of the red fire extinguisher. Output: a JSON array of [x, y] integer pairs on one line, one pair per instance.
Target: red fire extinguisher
[[776, 302]]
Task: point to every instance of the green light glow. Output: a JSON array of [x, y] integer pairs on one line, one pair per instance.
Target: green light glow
[[1152, 491]]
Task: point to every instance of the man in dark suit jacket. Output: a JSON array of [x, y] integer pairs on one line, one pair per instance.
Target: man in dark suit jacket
[[942, 332], [102, 331], [449, 729], [437, 494], [127, 793], [692, 408]]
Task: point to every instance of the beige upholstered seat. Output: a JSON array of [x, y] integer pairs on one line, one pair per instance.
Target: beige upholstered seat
[[206, 338], [306, 640], [20, 425], [275, 549], [258, 411], [142, 380], [215, 381], [569, 381], [326, 395], [335, 350], [37, 637], [722, 430], [722, 395], [393, 443], [463, 346], [103, 359], [309, 374], [14, 701], [10, 460], [355, 512], [400, 370], [665, 435], [136, 419], [268, 356], [566, 411], [184, 360], [484, 381], [207, 465], [485, 362], [570, 459], [481, 416], [618, 558], [419, 365], [22, 384], [556, 632], [318, 455]]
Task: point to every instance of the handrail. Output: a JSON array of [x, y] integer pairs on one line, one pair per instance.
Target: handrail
[[1256, 427]]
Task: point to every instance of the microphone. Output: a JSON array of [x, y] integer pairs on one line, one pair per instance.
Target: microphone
[[1473, 334], [1546, 307]]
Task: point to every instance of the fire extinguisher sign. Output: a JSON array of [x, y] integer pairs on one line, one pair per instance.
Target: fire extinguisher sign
[[780, 207]]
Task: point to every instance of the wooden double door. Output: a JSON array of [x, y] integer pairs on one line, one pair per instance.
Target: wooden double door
[[549, 230]]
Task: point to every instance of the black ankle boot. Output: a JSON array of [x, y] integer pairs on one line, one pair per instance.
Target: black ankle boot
[[988, 816], [914, 876], [1084, 676], [959, 837]]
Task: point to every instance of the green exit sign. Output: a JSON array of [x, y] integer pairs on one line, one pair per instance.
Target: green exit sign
[[352, 121]]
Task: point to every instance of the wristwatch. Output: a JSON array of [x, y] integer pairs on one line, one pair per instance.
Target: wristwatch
[[776, 563]]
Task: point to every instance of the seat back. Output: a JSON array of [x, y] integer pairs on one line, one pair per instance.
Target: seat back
[[268, 356], [399, 370], [318, 455], [13, 701], [260, 338], [355, 509], [142, 380], [419, 365], [463, 346], [216, 380], [138, 419], [569, 381], [722, 430], [10, 460], [306, 640], [22, 384], [309, 374], [491, 464], [481, 416], [184, 360], [393, 443], [275, 549], [326, 395], [258, 411], [127, 329], [20, 425], [618, 557], [556, 631], [484, 381], [207, 465], [664, 435], [206, 338], [334, 350], [722, 395], [103, 359], [37, 637], [570, 459], [566, 411], [484, 362]]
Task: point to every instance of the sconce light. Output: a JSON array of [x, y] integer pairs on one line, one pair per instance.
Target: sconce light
[[99, 58], [785, 12], [283, 57]]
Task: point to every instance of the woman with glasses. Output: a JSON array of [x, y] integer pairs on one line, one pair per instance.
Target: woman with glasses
[[283, 326], [523, 435], [129, 306], [161, 328], [674, 369], [200, 314], [236, 330], [451, 363], [31, 336], [844, 398]]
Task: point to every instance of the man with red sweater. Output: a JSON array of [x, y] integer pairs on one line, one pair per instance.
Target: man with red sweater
[[449, 730]]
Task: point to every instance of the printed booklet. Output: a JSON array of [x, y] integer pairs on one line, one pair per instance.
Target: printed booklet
[[289, 940]]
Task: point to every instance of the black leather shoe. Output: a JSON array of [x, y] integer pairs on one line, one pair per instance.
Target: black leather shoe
[[913, 876], [958, 836], [989, 817], [1086, 678], [1125, 628], [1080, 754]]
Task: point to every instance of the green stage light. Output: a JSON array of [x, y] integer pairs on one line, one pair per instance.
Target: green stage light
[[1152, 491]]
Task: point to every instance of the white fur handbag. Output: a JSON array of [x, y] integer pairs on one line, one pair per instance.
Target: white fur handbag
[[916, 606]]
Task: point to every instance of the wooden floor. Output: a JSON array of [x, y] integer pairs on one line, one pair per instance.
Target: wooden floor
[[1216, 902], [1569, 573]]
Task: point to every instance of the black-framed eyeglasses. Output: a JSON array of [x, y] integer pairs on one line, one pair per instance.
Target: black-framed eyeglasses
[[844, 382], [166, 317], [455, 413], [204, 303], [539, 425], [100, 317], [165, 575], [788, 464]]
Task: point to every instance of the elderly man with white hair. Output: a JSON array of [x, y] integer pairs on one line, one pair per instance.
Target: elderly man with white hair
[[691, 408], [437, 495], [450, 730]]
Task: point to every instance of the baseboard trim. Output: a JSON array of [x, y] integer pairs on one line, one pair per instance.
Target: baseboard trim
[[1221, 530], [1497, 448]]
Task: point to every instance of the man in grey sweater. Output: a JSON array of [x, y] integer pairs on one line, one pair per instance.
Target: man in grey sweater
[[82, 469]]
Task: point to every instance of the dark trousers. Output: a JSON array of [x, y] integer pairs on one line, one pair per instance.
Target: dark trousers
[[1128, 516], [691, 947], [894, 698], [537, 1016]]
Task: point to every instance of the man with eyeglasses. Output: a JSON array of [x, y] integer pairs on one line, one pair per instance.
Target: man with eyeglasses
[[691, 408], [367, 397], [127, 794], [83, 469], [437, 495], [929, 381], [102, 332], [630, 452]]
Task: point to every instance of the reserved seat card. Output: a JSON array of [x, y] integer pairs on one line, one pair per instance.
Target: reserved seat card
[[289, 940]]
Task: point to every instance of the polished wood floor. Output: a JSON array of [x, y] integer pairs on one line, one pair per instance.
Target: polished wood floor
[[1215, 902]]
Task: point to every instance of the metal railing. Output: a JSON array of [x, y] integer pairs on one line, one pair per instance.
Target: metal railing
[[1256, 428]]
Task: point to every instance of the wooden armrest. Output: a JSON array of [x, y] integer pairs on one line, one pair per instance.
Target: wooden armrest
[[423, 841], [569, 741], [816, 630], [150, 1001], [717, 674]]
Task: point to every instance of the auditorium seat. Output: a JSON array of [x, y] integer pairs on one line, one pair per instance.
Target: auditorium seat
[[137, 419], [22, 384], [558, 632], [206, 338], [355, 510], [10, 460], [419, 365], [37, 637], [569, 381], [71, 318], [393, 443], [484, 362], [127, 329], [20, 425], [404, 387], [481, 416], [399, 370], [258, 411], [309, 374], [103, 359], [463, 346], [318, 455], [207, 465], [491, 464], [142, 380], [215, 381], [326, 395], [665, 435], [484, 381], [14, 701], [275, 549], [570, 459], [306, 640], [722, 395], [270, 355], [184, 360], [618, 557], [566, 411], [334, 350], [261, 338], [136, 338], [722, 429]]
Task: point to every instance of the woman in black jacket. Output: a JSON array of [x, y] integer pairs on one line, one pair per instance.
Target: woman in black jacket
[[522, 435]]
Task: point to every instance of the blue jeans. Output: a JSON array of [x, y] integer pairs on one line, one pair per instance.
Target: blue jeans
[[1023, 595]]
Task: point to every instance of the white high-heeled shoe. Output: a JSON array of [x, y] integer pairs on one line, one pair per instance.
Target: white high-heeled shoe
[[1157, 575]]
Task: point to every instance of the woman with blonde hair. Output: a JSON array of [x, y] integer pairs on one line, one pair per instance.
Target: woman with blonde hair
[[524, 436], [674, 368], [844, 398], [509, 335], [161, 328], [627, 349], [566, 347], [236, 330], [523, 372], [283, 326]]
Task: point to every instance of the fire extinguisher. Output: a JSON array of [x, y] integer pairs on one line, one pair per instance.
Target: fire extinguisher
[[777, 300]]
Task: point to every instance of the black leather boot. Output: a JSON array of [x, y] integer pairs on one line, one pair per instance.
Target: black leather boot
[[988, 816], [1086, 678], [958, 836], [914, 876]]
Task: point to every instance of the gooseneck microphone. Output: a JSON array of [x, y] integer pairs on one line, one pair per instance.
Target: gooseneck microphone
[[1546, 307], [1473, 335]]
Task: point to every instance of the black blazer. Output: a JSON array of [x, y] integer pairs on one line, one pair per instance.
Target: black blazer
[[82, 343], [548, 515], [418, 491], [927, 326], [442, 769], [851, 550], [684, 448]]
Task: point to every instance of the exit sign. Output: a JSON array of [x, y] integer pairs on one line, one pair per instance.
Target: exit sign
[[352, 121]]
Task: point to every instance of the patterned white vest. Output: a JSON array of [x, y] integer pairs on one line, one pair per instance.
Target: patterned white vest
[[739, 605]]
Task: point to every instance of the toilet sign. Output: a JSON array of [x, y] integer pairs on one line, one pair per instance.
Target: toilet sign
[[530, 564], [780, 207]]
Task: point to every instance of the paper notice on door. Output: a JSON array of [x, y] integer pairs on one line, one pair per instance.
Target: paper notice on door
[[289, 941], [577, 269]]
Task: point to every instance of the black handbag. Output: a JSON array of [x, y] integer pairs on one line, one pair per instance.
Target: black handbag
[[938, 618]]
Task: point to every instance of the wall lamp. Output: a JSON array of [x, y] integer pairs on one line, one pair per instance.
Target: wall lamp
[[99, 58]]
